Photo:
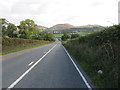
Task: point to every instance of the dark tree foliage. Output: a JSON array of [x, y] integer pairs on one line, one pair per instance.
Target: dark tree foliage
[[74, 36], [49, 37], [4, 24], [65, 36], [11, 30]]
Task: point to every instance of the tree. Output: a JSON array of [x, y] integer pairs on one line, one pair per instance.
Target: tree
[[28, 29], [4, 24], [49, 37], [65, 36], [11, 29], [74, 36]]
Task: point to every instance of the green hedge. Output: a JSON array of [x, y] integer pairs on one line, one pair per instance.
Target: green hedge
[[99, 51], [16, 44]]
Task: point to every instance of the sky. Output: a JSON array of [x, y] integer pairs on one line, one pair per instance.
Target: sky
[[50, 12]]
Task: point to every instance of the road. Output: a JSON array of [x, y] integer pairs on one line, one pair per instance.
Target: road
[[46, 67]]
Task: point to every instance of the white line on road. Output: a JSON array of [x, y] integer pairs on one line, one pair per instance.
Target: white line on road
[[30, 63], [23, 75], [87, 84]]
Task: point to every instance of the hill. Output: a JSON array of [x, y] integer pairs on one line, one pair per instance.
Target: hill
[[67, 28], [87, 28], [41, 27], [61, 27]]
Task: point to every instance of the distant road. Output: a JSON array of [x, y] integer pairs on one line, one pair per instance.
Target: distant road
[[45, 67]]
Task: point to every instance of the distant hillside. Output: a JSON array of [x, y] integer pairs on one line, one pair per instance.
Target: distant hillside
[[61, 27], [67, 28], [41, 27], [87, 28]]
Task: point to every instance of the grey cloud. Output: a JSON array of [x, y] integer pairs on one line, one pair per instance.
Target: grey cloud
[[94, 4], [20, 9], [28, 7], [70, 18]]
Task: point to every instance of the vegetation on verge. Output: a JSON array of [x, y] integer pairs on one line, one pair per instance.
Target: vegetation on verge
[[15, 44], [99, 51]]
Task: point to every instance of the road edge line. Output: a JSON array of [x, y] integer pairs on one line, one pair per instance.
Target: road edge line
[[80, 73], [26, 72]]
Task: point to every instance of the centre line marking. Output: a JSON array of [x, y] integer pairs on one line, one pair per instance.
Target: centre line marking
[[25, 73], [30, 63]]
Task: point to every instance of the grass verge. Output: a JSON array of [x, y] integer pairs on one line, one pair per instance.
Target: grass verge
[[99, 51], [10, 45]]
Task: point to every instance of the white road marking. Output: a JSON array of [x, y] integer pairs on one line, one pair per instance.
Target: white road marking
[[30, 63], [87, 84], [23, 75]]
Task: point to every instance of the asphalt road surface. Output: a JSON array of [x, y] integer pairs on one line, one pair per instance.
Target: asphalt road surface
[[46, 67]]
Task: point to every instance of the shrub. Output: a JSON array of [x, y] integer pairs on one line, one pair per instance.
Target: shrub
[[65, 37], [99, 51], [74, 36]]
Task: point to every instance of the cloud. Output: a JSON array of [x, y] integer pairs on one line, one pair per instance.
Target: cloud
[[51, 12], [95, 4], [119, 12], [28, 7]]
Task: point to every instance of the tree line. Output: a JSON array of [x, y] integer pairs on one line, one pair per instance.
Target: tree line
[[67, 36], [26, 30]]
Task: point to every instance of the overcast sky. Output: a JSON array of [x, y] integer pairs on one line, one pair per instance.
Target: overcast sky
[[51, 12]]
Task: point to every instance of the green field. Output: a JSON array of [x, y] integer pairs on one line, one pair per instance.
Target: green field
[[84, 33], [80, 33], [58, 35]]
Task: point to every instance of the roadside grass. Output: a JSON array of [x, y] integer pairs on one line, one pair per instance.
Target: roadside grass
[[10, 45], [98, 51], [85, 59]]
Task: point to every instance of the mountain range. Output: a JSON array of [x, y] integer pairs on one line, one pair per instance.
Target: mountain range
[[70, 28]]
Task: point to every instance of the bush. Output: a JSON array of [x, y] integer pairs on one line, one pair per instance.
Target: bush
[[49, 37], [14, 44], [74, 36], [65, 37], [99, 51]]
